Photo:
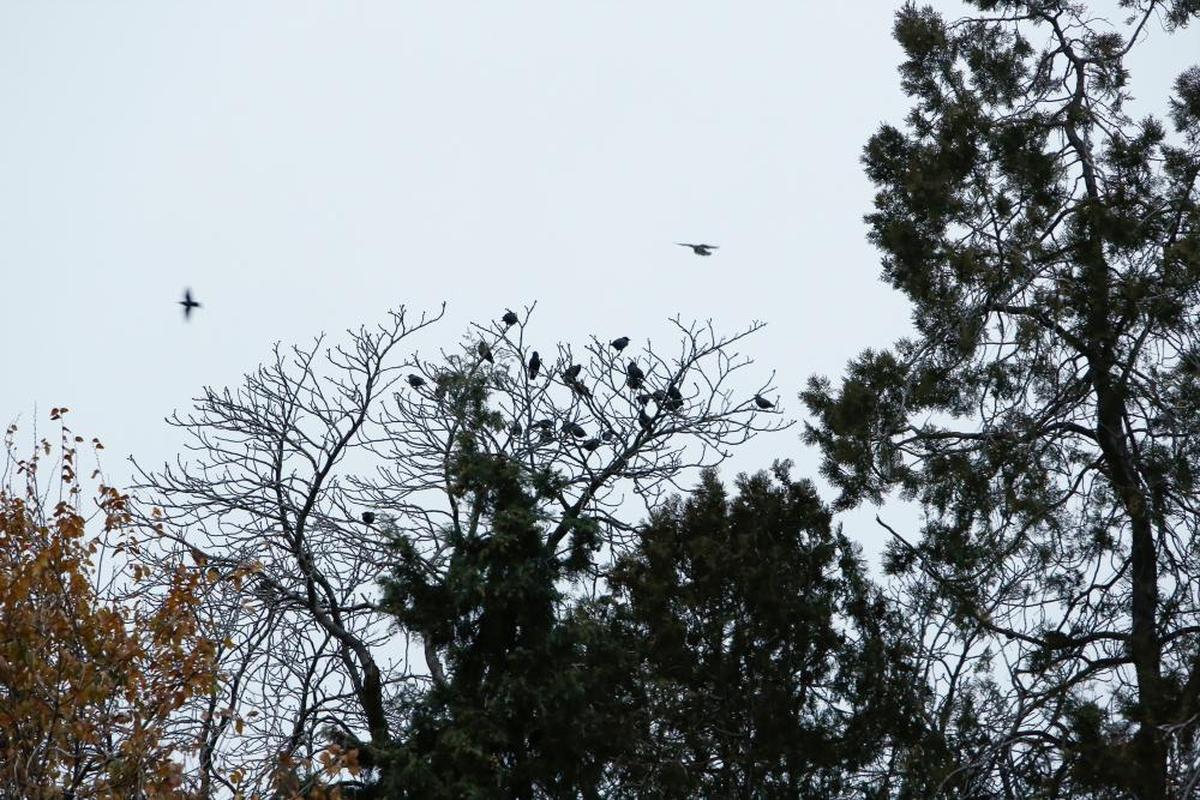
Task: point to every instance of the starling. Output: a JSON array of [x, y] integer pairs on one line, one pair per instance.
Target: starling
[[572, 372], [699, 249], [515, 429], [620, 344], [485, 352], [634, 375], [658, 395], [415, 381], [644, 420], [608, 435], [574, 429], [544, 424], [674, 399], [579, 389], [509, 319], [535, 363], [590, 445], [763, 402], [368, 517], [643, 398], [188, 304]]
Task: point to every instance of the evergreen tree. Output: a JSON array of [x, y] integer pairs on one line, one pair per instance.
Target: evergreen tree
[[771, 668], [1045, 412]]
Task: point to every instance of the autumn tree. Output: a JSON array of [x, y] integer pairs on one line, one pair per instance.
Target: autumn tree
[[310, 471], [1044, 413], [93, 670]]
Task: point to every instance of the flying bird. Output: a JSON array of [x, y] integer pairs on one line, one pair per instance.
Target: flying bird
[[699, 249], [620, 344], [485, 352], [368, 517], [763, 402], [634, 375], [415, 381], [572, 372], [509, 319], [188, 304], [535, 363]]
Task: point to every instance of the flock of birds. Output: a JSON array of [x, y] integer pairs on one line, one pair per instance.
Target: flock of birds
[[635, 378]]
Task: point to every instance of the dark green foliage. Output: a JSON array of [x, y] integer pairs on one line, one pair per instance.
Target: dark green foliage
[[771, 668], [1044, 413]]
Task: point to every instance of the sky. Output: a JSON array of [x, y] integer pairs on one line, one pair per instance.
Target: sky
[[305, 166]]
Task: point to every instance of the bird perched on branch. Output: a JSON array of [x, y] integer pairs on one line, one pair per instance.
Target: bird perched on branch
[[763, 402], [415, 381], [535, 363], [188, 304], [485, 352], [572, 372], [509, 319], [699, 249], [634, 375], [591, 444], [619, 344], [368, 517], [574, 429]]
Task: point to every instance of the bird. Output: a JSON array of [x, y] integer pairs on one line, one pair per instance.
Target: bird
[[634, 375], [579, 389], [516, 429], [485, 352], [643, 398], [620, 343], [608, 435], [572, 372], [574, 429], [591, 444], [644, 420], [699, 249], [510, 318], [415, 381], [763, 402], [188, 304], [368, 517], [535, 363], [544, 424], [674, 399]]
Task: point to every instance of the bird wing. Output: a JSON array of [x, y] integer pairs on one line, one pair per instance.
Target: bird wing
[[685, 244]]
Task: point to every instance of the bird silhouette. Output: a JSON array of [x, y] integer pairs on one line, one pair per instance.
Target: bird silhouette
[[535, 363], [620, 343], [644, 420], [699, 249], [608, 435], [509, 319], [415, 381], [590, 444], [763, 402], [368, 517], [579, 389], [544, 424], [644, 398], [516, 429], [572, 372], [574, 429], [674, 399], [188, 304], [485, 352], [634, 375]]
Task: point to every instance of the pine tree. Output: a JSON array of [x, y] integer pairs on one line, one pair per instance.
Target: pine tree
[[1044, 413]]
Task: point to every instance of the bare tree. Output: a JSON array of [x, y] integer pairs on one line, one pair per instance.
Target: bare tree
[[300, 481]]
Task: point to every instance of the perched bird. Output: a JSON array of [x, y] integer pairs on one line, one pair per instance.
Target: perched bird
[[415, 381], [643, 398], [516, 429], [674, 399], [535, 363], [485, 352], [699, 249], [544, 424], [368, 517], [188, 304], [579, 389], [620, 344], [644, 420], [590, 445], [608, 435], [659, 396], [763, 402], [572, 372], [634, 375], [574, 429], [509, 319]]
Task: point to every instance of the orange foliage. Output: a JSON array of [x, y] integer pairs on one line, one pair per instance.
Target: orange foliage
[[89, 677]]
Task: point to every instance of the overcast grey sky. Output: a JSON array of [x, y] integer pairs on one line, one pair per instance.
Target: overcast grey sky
[[305, 166]]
